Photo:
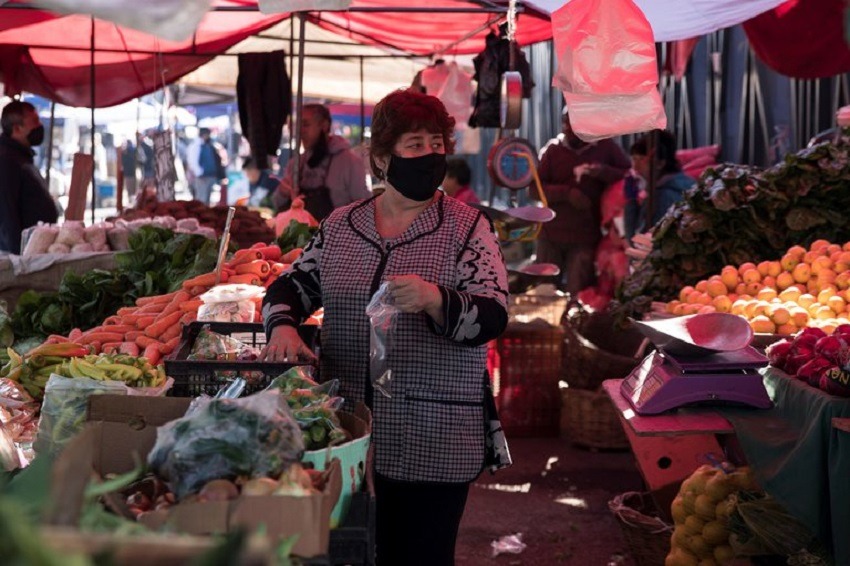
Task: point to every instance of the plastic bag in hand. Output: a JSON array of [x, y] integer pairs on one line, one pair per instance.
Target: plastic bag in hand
[[607, 68], [382, 316], [253, 436]]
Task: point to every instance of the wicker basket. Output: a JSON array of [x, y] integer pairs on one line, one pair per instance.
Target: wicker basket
[[590, 419], [586, 366], [647, 536]]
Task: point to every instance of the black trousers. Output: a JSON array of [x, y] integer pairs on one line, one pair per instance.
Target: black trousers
[[417, 523]]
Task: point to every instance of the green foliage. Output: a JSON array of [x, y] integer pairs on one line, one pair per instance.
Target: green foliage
[[296, 235], [737, 214], [157, 262]]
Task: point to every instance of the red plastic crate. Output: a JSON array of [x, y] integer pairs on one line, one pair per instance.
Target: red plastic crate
[[525, 366]]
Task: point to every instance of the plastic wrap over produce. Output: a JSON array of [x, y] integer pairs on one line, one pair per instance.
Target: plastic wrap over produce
[[607, 68], [254, 436]]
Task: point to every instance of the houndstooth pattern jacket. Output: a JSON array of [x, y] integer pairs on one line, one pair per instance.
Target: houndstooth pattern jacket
[[432, 428]]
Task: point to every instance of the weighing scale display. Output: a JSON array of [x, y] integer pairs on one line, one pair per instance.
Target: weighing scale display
[[659, 384]]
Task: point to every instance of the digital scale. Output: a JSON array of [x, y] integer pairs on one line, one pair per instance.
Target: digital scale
[[666, 380]]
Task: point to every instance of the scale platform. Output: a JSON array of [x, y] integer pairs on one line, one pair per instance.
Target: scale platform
[[663, 381]]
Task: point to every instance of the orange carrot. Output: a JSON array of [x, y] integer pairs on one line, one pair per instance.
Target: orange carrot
[[169, 346], [268, 282], [145, 321], [95, 347], [118, 328], [101, 337], [246, 279], [124, 311], [131, 319], [153, 354], [260, 268], [172, 332], [111, 347], [257, 246], [277, 268], [145, 341], [205, 280], [163, 323], [271, 253], [129, 348], [112, 320], [56, 339], [133, 334], [142, 301], [191, 305], [291, 256], [152, 308], [189, 317], [74, 334], [243, 256], [175, 303], [198, 290]]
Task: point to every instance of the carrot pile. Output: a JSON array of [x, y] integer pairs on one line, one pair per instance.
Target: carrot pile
[[153, 327]]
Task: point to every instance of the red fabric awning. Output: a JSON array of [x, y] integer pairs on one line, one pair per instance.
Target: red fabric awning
[[49, 54], [802, 38]]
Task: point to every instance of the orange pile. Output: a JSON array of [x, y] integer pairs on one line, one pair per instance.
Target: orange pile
[[804, 288]]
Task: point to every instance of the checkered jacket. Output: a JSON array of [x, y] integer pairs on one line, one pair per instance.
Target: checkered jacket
[[432, 428]]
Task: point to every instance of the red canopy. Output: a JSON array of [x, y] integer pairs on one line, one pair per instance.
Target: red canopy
[[49, 54]]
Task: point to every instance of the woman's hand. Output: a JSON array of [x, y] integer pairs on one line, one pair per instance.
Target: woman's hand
[[412, 294], [285, 345]]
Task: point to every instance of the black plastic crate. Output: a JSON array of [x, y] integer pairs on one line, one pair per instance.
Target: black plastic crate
[[196, 377], [352, 543]]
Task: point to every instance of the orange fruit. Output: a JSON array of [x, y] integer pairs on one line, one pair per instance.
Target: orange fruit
[[701, 286], [802, 273], [821, 262], [837, 304], [789, 262], [790, 294], [784, 280], [722, 303], [706, 309], [754, 288], [716, 287], [763, 325], [824, 313], [774, 268], [729, 276], [800, 317], [739, 306], [846, 247], [769, 281], [805, 300], [842, 280], [746, 267], [671, 306], [683, 294], [818, 244], [832, 248], [751, 276], [825, 295], [763, 268], [766, 294], [810, 257], [693, 297], [680, 309], [796, 251], [741, 288], [779, 315], [788, 329]]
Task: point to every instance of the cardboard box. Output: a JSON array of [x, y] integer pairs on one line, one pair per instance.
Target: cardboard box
[[124, 429], [352, 458]]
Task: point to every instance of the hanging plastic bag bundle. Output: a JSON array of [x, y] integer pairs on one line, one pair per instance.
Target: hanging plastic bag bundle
[[607, 68], [382, 316]]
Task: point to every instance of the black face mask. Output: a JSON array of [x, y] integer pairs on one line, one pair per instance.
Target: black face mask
[[36, 136], [417, 178]]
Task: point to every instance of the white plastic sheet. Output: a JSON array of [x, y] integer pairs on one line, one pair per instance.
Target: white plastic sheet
[[284, 6], [607, 68]]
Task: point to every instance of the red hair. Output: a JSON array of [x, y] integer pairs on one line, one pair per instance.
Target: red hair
[[403, 111]]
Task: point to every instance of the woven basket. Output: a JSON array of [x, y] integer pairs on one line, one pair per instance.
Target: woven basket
[[590, 419], [585, 366], [647, 536]]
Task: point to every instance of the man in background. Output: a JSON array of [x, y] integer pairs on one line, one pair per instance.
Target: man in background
[[206, 165], [24, 196], [457, 181]]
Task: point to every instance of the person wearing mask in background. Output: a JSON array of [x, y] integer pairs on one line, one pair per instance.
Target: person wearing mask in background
[[443, 268], [330, 174], [574, 175], [24, 196], [458, 178], [205, 162], [261, 183], [670, 182]]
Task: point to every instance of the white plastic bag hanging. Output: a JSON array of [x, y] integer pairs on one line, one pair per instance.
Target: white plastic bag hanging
[[456, 93], [607, 68]]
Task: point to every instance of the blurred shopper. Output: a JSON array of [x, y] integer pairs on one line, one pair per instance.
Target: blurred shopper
[[457, 181], [670, 182], [204, 157], [574, 175], [129, 166], [24, 197], [330, 174], [261, 183]]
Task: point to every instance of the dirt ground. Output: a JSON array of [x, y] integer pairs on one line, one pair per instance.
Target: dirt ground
[[557, 497]]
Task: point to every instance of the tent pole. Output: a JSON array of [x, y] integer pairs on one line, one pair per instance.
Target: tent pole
[[292, 148], [50, 141], [362, 105], [91, 86], [299, 104]]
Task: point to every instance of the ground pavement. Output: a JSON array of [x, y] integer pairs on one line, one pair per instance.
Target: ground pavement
[[557, 497]]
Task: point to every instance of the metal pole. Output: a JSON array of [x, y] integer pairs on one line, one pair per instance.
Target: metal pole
[[362, 104], [94, 161], [299, 104], [292, 148], [50, 141], [652, 143]]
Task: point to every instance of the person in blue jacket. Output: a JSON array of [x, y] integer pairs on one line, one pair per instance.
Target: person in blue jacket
[[670, 182]]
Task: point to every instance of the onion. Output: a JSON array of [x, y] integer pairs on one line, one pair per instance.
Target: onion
[[219, 490]]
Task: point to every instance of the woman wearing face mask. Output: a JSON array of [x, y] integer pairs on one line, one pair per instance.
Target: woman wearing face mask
[[446, 275], [330, 173]]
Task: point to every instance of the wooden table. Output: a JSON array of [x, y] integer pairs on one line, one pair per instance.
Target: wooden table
[[669, 447]]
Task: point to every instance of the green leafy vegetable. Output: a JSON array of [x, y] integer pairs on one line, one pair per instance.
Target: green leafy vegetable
[[296, 235]]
